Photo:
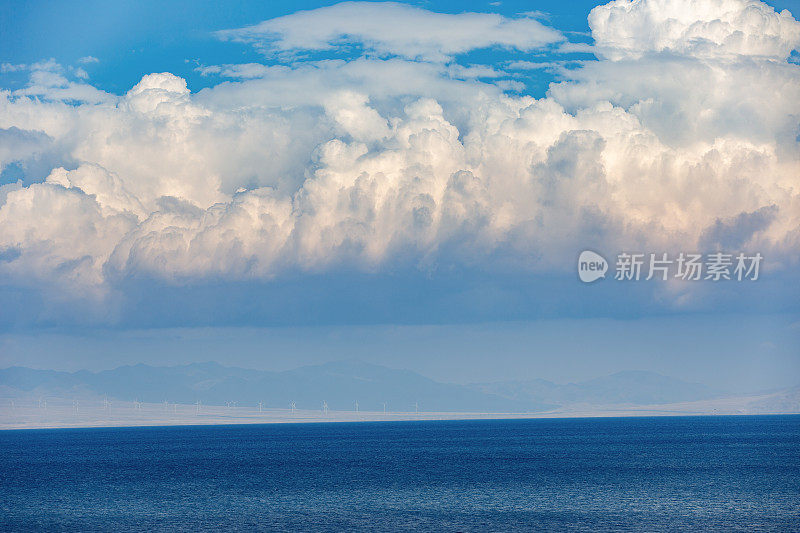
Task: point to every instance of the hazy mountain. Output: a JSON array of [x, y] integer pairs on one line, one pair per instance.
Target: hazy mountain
[[343, 383], [340, 384], [630, 387]]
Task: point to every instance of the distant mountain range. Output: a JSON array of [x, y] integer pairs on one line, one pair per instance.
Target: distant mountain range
[[340, 384], [343, 383]]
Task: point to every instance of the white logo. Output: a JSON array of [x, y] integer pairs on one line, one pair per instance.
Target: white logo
[[591, 266]]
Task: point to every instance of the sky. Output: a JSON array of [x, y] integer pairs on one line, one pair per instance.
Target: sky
[[285, 183]]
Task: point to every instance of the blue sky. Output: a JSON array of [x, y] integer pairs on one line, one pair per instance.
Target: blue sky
[[365, 183], [131, 42]]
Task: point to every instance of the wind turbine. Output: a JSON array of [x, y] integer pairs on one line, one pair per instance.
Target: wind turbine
[[356, 406], [384, 407], [292, 406], [198, 407], [416, 408], [260, 405], [325, 407]]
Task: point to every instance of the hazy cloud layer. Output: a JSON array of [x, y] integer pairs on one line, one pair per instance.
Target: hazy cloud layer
[[684, 133]]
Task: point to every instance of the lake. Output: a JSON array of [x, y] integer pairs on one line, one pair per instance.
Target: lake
[[657, 474]]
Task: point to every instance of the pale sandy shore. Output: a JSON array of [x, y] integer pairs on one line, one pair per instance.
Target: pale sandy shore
[[129, 414], [30, 414]]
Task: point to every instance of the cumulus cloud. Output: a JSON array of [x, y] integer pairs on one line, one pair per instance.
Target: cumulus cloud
[[734, 232], [389, 28], [17, 146], [362, 163], [699, 28]]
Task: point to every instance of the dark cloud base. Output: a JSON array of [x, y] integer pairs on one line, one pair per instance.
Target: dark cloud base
[[338, 298]]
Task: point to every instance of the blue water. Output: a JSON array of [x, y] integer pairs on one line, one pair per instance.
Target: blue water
[[677, 474]]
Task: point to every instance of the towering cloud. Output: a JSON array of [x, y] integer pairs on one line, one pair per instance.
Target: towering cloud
[[686, 128], [700, 28]]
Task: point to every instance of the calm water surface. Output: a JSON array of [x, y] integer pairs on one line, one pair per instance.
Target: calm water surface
[[654, 474]]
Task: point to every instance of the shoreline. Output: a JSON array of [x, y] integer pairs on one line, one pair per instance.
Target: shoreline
[[91, 412], [285, 416]]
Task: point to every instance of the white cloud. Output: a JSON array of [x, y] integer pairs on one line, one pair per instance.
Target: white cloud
[[244, 71], [699, 28], [49, 79], [18, 145], [530, 65], [62, 234], [358, 163], [11, 67], [389, 28]]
